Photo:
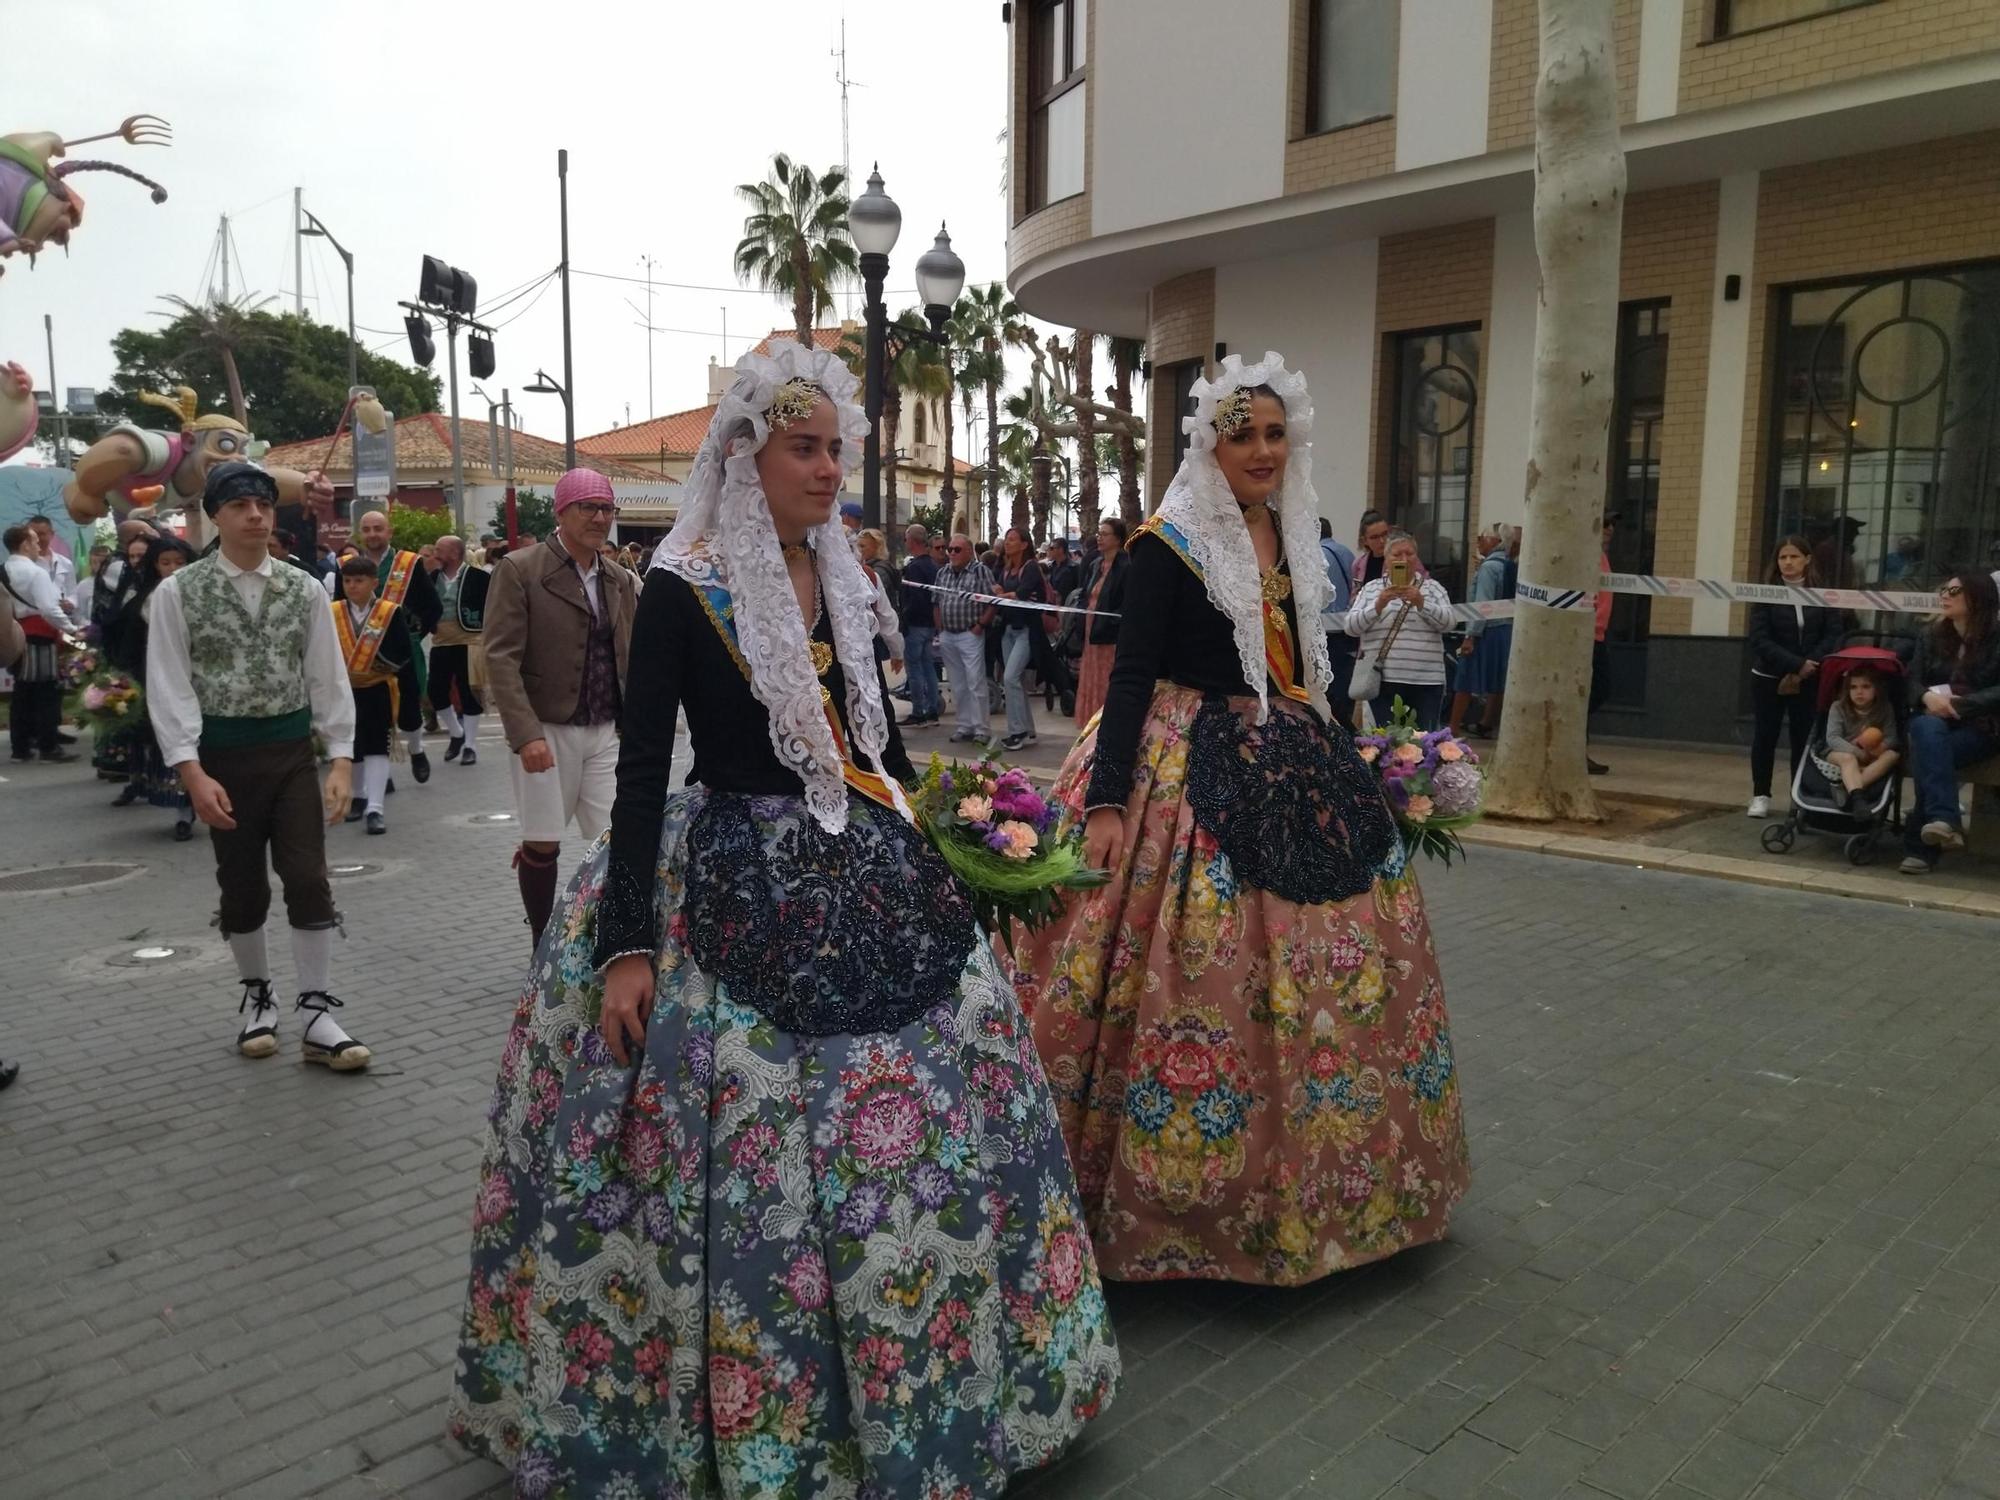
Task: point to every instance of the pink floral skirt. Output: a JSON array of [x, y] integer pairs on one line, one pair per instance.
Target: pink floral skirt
[[1250, 1089], [1093, 676]]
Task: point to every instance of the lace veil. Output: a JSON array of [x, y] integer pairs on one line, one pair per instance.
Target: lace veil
[[1201, 507], [725, 535]]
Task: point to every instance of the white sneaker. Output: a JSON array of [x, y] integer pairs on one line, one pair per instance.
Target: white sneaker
[[1760, 807]]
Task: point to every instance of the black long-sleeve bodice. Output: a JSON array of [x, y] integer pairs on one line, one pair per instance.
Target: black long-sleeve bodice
[[1168, 630], [680, 662]]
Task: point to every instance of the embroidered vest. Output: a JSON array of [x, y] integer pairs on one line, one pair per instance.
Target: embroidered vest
[[597, 702], [247, 668]]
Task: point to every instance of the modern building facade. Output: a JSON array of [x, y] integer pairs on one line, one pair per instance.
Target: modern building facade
[[1809, 335]]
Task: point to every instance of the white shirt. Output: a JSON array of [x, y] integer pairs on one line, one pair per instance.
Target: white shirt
[[885, 618], [33, 592], [62, 570], [170, 697], [1417, 654]]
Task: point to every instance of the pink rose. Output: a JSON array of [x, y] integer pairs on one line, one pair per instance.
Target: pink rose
[[734, 1393], [1021, 839], [1408, 754], [1063, 1271], [807, 1281], [1450, 750], [1419, 809], [975, 809], [1369, 752], [886, 1130]]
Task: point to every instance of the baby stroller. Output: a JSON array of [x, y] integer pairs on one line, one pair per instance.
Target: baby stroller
[[1819, 801]]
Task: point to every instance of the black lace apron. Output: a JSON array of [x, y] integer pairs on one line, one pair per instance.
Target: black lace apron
[[1289, 801]]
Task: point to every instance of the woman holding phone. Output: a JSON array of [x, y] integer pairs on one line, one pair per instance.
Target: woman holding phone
[[1401, 619]]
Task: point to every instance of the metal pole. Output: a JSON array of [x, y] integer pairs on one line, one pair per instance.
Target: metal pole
[[457, 447], [353, 348], [569, 373], [299, 254], [874, 271], [55, 397], [513, 513]]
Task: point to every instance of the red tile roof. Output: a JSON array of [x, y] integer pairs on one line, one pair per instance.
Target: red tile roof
[[680, 433], [424, 442], [823, 338]]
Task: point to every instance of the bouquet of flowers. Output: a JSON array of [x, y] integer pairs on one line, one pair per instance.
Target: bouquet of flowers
[[76, 668], [998, 835], [1431, 780], [112, 700]]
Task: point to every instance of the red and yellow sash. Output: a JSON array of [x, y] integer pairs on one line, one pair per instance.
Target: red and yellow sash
[[396, 587], [360, 648], [1281, 652]]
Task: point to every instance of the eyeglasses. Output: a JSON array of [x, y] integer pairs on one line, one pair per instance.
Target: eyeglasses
[[958, 549], [592, 508], [1951, 591]]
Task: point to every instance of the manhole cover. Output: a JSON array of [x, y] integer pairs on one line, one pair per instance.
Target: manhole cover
[[62, 878], [349, 872]]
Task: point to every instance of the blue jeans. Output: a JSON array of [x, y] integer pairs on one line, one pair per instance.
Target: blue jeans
[[1018, 649], [1938, 747], [922, 671]]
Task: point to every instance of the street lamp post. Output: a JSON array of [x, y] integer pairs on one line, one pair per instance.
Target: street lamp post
[[874, 222], [346, 259], [569, 374], [543, 385]]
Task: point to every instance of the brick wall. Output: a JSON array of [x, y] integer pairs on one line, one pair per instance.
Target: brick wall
[[1517, 62], [1425, 279], [1824, 49], [1332, 156], [1180, 327], [1066, 222], [1886, 211], [1669, 251]]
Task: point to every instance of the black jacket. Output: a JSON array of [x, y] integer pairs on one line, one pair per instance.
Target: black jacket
[[1104, 631], [1780, 644], [1974, 679]]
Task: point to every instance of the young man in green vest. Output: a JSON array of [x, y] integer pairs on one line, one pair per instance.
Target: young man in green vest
[[242, 666]]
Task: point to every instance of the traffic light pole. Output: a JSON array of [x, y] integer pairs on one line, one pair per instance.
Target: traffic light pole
[[452, 323]]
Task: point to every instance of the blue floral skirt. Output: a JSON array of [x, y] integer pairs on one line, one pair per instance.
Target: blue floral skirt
[[755, 1263]]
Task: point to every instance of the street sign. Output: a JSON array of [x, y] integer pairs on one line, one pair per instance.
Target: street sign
[[375, 461]]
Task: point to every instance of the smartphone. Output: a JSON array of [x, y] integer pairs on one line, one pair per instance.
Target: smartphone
[[1399, 573]]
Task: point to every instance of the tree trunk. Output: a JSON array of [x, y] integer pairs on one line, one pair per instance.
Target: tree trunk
[[1039, 465], [992, 451], [1130, 507], [1539, 769], [802, 297], [1086, 443]]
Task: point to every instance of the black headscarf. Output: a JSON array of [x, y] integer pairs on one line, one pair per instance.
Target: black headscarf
[[233, 481]]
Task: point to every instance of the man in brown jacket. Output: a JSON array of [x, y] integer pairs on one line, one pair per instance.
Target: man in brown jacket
[[558, 629]]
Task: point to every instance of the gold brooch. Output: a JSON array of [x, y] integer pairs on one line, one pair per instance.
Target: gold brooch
[[1232, 412], [1277, 585], [822, 657], [795, 552], [792, 402]]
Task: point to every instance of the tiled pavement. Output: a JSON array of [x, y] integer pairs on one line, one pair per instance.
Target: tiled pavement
[[1734, 1228]]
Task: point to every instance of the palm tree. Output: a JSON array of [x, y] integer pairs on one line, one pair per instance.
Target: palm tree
[[795, 242], [997, 325], [918, 369], [1084, 342], [1028, 457], [220, 328], [1126, 355]]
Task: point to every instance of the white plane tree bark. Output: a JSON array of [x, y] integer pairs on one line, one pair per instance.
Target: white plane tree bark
[[1539, 770]]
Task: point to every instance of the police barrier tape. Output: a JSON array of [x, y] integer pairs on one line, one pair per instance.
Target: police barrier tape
[[1645, 585]]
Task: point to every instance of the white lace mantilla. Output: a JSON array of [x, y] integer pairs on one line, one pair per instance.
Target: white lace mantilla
[[1201, 508], [725, 536]]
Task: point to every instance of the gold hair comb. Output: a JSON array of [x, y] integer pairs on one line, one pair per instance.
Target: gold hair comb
[[1232, 412], [793, 401]]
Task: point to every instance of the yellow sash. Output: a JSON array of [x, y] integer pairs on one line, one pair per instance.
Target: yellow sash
[[1281, 652], [360, 649], [397, 588]]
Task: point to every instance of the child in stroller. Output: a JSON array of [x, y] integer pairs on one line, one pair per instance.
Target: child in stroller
[[1849, 781]]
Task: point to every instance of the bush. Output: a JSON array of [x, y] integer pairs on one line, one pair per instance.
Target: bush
[[411, 528], [534, 513]]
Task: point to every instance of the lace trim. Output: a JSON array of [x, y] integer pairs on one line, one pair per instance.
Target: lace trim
[[1289, 802], [1199, 504], [823, 935]]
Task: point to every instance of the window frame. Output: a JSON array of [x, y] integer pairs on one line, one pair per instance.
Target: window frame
[[1042, 93], [1391, 501], [1719, 29], [1309, 126]]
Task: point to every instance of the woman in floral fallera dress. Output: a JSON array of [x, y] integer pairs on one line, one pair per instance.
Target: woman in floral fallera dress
[[1245, 1029], [774, 1201]]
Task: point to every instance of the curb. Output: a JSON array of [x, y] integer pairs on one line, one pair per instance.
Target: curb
[[1918, 897]]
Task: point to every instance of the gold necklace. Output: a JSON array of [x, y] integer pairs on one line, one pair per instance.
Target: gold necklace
[[1259, 511], [1277, 583], [796, 552]]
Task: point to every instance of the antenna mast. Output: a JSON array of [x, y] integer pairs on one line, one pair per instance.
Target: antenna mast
[[846, 164]]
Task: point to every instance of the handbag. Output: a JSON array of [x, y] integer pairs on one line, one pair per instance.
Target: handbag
[[1366, 683]]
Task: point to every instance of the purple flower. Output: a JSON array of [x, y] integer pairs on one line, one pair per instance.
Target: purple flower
[[931, 1184], [534, 1474], [996, 841], [699, 1056], [862, 1211], [1455, 788], [610, 1208], [657, 1219]]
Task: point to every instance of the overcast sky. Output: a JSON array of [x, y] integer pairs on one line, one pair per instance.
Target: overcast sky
[[431, 127]]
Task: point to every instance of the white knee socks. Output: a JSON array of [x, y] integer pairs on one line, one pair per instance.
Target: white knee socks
[[312, 957], [253, 957], [471, 729], [448, 721], [413, 740], [374, 781]]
